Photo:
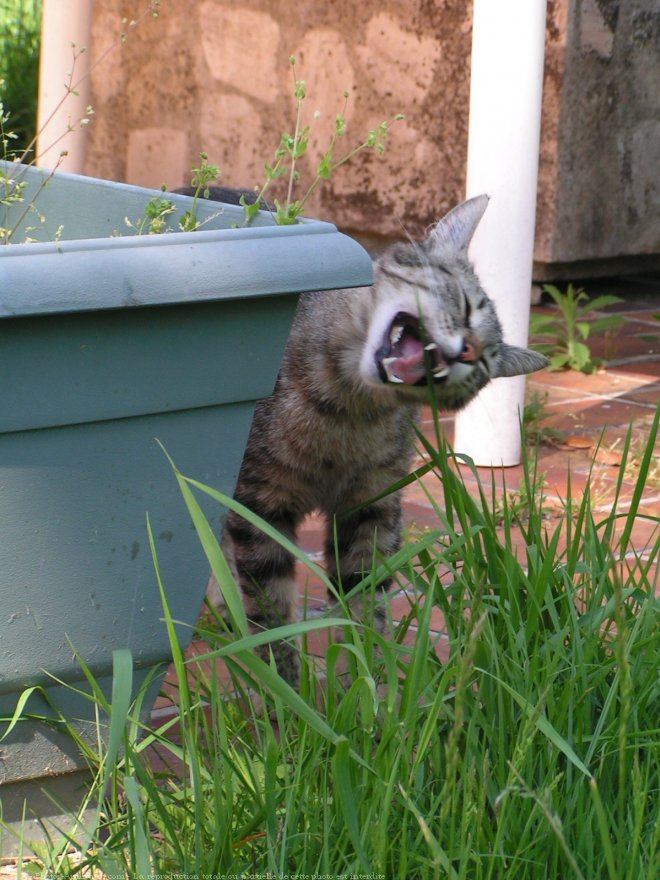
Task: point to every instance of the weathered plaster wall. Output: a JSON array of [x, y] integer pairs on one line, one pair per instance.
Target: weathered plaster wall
[[214, 75], [606, 199]]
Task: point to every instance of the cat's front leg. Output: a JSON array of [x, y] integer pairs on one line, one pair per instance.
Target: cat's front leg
[[354, 541], [265, 573]]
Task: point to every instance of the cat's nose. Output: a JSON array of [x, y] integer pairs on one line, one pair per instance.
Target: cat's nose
[[470, 352]]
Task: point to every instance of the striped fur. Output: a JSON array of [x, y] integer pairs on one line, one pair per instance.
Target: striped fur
[[337, 429]]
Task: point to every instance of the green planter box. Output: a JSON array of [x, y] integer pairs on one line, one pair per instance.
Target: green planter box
[[108, 344]]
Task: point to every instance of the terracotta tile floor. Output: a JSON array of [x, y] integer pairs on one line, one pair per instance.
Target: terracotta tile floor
[[586, 409]]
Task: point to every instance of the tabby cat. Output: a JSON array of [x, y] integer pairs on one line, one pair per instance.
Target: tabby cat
[[337, 429]]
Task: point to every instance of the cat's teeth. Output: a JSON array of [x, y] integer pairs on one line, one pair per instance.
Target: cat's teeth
[[441, 371], [430, 347], [390, 376], [396, 334]]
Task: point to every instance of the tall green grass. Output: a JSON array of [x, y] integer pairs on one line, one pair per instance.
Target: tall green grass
[[533, 751]]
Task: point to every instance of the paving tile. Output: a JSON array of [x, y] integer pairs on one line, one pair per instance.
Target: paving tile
[[649, 316], [604, 382], [588, 414], [643, 370], [632, 339], [647, 395], [551, 396]]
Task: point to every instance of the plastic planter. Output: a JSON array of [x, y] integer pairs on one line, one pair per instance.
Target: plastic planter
[[108, 344]]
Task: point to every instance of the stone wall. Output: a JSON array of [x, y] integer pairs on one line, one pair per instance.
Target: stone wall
[[605, 201], [214, 75]]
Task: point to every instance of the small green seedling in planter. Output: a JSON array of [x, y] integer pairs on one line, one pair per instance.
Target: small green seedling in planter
[[288, 154], [293, 147], [202, 177], [154, 220], [567, 348]]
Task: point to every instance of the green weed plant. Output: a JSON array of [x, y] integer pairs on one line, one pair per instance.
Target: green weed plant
[[19, 64], [293, 147], [568, 332], [285, 166], [531, 751], [535, 413]]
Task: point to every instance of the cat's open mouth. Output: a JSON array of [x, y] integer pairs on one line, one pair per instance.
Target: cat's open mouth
[[406, 356]]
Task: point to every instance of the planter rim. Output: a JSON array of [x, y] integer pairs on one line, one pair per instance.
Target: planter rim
[[90, 274], [306, 226]]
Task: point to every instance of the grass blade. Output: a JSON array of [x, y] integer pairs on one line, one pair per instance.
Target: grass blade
[[347, 797]]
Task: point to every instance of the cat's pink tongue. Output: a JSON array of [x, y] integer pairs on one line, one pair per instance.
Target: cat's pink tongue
[[409, 367]]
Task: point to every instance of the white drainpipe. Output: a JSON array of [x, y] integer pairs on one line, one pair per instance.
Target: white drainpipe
[[508, 42], [64, 22]]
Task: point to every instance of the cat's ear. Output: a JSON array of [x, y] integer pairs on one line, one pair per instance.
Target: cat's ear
[[514, 361], [452, 235]]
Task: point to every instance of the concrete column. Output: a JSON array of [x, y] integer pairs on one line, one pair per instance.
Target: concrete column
[[66, 28], [503, 149]]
